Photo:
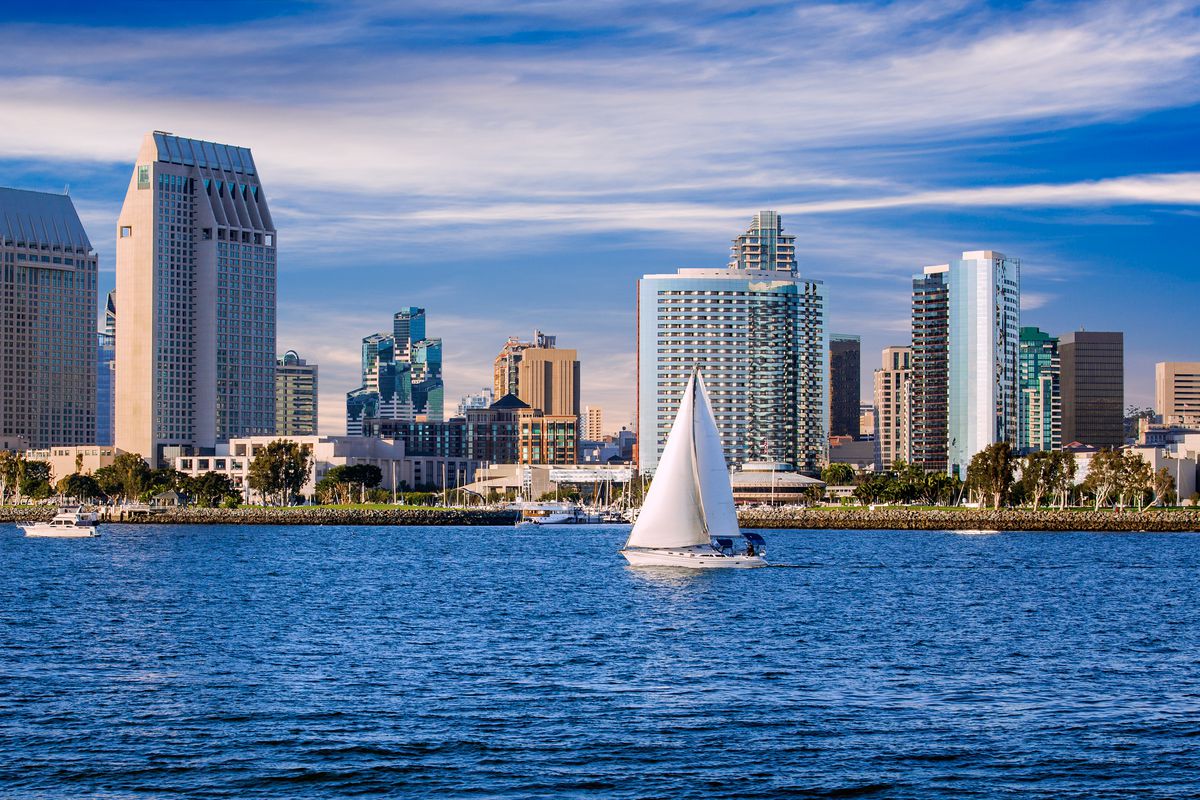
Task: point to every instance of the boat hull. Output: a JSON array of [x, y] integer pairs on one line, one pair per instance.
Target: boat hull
[[690, 558], [42, 530]]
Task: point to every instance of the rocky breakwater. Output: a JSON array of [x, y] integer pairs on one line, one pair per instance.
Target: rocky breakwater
[[915, 519], [320, 515], [27, 513]]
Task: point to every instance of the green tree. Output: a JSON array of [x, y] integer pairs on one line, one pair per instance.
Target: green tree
[[874, 489], [12, 469], [1164, 487], [212, 489], [81, 487], [1063, 476], [1037, 475], [126, 478], [990, 473], [35, 482], [341, 484], [1135, 477], [838, 475], [165, 479], [1104, 476], [280, 470]]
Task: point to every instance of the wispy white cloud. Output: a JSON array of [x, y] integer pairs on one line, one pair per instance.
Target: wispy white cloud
[[701, 99]]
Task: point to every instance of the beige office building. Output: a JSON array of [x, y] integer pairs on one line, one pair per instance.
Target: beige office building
[[892, 389], [295, 396], [593, 423], [548, 380], [506, 368], [47, 322], [196, 274], [1177, 392]]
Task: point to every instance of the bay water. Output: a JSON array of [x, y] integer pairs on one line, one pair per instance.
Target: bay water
[[224, 661]]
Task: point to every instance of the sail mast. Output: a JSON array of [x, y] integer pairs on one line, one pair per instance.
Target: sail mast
[[694, 383]]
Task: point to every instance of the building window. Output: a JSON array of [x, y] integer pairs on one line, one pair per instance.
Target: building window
[[126, 231]]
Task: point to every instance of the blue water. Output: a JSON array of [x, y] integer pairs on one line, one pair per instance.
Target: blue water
[[329, 662]]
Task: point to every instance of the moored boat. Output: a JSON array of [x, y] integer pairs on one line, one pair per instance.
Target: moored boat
[[553, 513], [66, 524]]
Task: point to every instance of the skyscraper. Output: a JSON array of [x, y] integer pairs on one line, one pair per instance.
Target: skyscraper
[[401, 375], [1093, 388], [1177, 392], [966, 321], [845, 384], [106, 374], [1041, 392], [295, 396], [929, 395], [758, 331], [47, 321], [548, 380], [196, 274], [892, 390], [505, 371], [764, 245]]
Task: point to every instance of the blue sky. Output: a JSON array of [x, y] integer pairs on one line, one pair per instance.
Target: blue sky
[[515, 165]]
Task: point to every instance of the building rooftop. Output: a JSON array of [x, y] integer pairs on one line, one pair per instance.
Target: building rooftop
[[199, 153], [42, 218], [509, 401]]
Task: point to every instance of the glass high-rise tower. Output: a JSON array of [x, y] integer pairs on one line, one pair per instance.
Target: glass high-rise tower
[[1041, 393], [966, 329], [401, 375], [758, 332], [196, 275]]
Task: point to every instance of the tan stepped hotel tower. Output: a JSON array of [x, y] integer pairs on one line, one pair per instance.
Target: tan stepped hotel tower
[[196, 278]]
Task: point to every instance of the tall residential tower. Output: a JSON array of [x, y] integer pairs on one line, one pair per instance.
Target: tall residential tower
[[1041, 392], [47, 322], [295, 396], [196, 278], [966, 321], [758, 332], [893, 385]]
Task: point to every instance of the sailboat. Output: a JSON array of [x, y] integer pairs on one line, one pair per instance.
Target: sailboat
[[690, 502]]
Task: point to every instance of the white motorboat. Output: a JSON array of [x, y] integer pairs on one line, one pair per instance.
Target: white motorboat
[[688, 519], [67, 524], [974, 532], [552, 513]]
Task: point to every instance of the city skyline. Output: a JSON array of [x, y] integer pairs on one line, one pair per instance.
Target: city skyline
[[1077, 156]]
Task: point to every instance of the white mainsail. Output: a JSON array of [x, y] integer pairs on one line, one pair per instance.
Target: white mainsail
[[690, 497], [712, 473]]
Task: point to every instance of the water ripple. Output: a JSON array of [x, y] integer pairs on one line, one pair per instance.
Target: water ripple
[[331, 662]]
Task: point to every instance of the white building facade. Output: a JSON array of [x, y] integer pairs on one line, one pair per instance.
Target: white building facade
[[399, 470], [196, 278], [984, 289], [759, 336]]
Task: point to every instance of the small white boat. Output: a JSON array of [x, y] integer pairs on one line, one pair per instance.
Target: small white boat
[[974, 532], [67, 524], [552, 513], [689, 519]]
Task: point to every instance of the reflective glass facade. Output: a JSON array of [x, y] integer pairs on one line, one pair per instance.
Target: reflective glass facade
[[1041, 393], [401, 375], [966, 346]]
